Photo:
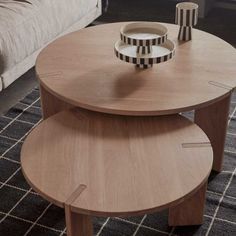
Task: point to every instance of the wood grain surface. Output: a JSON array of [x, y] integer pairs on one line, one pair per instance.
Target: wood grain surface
[[213, 120], [90, 76], [51, 104], [116, 165], [190, 211]]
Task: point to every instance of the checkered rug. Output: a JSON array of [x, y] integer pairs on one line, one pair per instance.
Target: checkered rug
[[24, 212]]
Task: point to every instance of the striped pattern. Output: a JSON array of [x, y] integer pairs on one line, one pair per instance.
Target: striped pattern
[[185, 33], [144, 62], [186, 17], [144, 50], [143, 42]]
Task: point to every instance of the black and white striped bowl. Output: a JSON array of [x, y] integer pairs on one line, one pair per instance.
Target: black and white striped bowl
[[143, 33], [159, 54]]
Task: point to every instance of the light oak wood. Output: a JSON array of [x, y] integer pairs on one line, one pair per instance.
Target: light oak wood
[[93, 78], [129, 165], [77, 224], [190, 211], [51, 104], [213, 120]]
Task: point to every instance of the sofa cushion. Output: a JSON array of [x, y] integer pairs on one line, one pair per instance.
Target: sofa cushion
[[25, 26], [21, 1]]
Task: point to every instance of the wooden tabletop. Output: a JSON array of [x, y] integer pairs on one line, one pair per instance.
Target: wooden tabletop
[[116, 165], [82, 69]]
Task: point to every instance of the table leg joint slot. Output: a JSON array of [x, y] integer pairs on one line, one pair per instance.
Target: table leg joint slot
[[221, 85], [196, 145]]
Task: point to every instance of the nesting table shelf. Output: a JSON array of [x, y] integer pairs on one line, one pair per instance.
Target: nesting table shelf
[[112, 142], [97, 164]]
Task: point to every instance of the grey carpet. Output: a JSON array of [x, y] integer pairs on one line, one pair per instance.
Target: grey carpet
[[24, 212]]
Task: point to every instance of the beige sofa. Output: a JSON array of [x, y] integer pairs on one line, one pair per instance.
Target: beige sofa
[[26, 26]]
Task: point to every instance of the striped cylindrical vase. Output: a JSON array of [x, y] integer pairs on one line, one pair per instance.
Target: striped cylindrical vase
[[186, 17]]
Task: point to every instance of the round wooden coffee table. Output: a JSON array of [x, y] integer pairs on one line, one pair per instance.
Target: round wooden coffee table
[[81, 70], [95, 164]]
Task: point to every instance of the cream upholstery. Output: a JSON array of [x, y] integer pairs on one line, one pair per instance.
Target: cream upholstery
[[27, 26]]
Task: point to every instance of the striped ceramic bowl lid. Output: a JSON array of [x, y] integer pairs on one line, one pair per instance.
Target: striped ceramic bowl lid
[[143, 33]]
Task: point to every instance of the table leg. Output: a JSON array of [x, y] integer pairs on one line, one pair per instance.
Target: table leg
[[213, 120], [51, 104], [78, 224], [190, 211]]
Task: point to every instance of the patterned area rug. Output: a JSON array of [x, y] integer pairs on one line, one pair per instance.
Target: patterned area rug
[[24, 212]]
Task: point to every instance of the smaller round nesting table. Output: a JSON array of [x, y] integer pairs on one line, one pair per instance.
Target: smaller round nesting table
[[95, 164]]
